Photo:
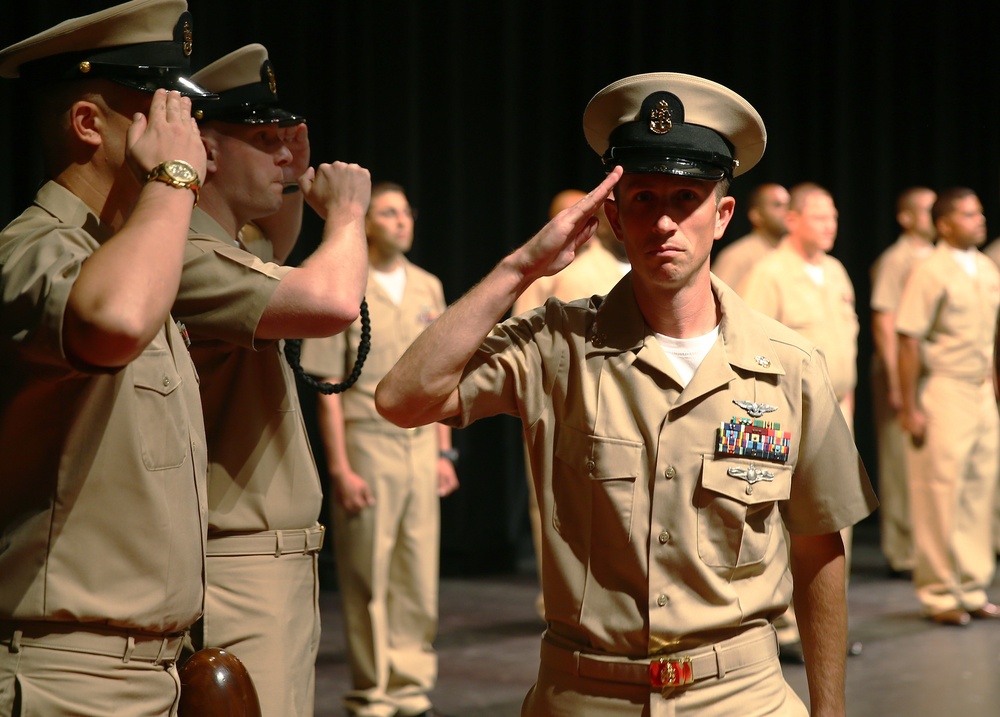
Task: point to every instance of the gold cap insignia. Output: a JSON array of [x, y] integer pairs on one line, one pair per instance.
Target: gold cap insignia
[[659, 118], [272, 85], [188, 39]]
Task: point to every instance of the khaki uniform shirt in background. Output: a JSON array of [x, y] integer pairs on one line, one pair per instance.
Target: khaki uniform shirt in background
[[890, 272], [595, 272], [103, 472], [779, 287], [953, 314], [261, 473], [735, 261], [992, 251], [394, 328], [650, 544]]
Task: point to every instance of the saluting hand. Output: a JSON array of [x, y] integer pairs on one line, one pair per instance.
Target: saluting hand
[[553, 248], [169, 132], [296, 139], [337, 188]]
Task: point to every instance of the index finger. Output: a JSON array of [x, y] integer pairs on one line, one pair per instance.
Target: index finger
[[596, 196]]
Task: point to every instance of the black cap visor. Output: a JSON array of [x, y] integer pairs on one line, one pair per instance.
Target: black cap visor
[[248, 114], [640, 160]]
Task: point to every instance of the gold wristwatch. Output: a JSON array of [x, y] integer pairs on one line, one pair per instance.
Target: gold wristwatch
[[176, 173]]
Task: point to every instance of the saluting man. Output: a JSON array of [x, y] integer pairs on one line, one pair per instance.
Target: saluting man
[[672, 431], [102, 522], [264, 494]]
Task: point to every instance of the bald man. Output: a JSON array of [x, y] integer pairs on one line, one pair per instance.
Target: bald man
[[768, 207]]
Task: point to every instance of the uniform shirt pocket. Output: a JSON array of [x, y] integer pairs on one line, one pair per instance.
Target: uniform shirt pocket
[[159, 410], [609, 467], [737, 509]]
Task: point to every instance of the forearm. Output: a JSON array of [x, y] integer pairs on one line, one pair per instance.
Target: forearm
[[884, 335], [323, 296], [125, 289], [330, 421], [908, 362], [422, 387], [818, 572]]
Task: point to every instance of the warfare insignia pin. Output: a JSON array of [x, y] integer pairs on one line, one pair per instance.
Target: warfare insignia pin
[[762, 361], [751, 475], [756, 410], [660, 118]]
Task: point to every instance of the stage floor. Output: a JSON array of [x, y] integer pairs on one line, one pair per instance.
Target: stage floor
[[488, 649]]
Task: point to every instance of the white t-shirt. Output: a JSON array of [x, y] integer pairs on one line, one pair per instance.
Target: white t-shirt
[[687, 354]]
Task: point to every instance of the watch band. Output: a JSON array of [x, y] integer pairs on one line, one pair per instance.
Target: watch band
[[451, 454], [159, 173]]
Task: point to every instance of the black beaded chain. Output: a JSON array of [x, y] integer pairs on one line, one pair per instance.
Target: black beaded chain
[[293, 352]]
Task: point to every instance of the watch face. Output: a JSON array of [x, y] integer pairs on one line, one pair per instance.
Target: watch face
[[180, 171]]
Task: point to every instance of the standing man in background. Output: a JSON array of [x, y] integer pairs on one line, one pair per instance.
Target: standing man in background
[[768, 207], [264, 494], [388, 481], [102, 523], [809, 291], [947, 335], [889, 274]]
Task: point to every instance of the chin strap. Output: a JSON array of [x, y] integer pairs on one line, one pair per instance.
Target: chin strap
[[293, 352]]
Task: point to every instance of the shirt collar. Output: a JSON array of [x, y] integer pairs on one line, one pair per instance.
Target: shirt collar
[[619, 327]]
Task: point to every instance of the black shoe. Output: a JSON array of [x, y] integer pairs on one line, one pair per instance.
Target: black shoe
[[895, 574]]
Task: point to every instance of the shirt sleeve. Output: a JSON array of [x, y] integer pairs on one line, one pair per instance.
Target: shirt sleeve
[[918, 306], [830, 487], [224, 291]]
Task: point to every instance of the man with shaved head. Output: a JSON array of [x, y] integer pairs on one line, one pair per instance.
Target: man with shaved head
[[768, 206]]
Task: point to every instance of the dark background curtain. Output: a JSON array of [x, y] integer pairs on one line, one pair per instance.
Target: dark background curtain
[[475, 107]]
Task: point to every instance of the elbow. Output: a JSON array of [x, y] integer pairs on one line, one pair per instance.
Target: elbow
[[108, 339], [389, 405]]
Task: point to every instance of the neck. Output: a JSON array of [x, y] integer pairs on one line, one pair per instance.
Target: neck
[[915, 238], [681, 313], [810, 257], [109, 197], [772, 239], [213, 205], [382, 262]]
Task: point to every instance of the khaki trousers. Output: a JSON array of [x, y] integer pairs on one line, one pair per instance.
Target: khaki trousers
[[953, 478], [387, 564], [265, 610], [61, 683], [893, 493]]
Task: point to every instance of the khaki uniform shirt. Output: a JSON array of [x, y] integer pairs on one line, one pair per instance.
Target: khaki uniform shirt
[[992, 251], [655, 540], [103, 472], [953, 314], [394, 328], [735, 261], [261, 472], [890, 272], [779, 287], [595, 272]]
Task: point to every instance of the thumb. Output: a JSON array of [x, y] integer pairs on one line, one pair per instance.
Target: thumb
[[307, 180], [135, 130]]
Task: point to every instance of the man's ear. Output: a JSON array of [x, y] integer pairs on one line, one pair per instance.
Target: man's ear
[[723, 215], [87, 122], [211, 144], [611, 212]]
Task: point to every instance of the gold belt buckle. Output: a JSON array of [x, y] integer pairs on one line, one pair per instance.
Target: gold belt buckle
[[671, 673]]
